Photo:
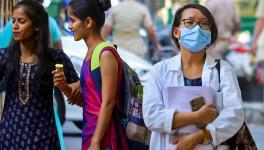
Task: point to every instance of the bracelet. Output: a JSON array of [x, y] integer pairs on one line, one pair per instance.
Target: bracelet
[[206, 136]]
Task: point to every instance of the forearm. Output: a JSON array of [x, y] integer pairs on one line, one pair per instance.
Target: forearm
[[76, 94], [226, 125], [258, 28], [154, 40], [152, 37], [66, 90], [103, 122], [181, 119], [202, 136]]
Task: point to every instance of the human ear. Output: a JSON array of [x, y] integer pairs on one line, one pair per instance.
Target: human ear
[[88, 22], [176, 32]]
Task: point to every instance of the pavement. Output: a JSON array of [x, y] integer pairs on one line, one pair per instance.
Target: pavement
[[72, 136], [254, 114], [257, 132]]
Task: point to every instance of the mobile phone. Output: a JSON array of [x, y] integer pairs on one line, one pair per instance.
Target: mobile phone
[[196, 104]]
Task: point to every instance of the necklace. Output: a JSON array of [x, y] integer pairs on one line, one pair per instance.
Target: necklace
[[29, 60], [23, 83]]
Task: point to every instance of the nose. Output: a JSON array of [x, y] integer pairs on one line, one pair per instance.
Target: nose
[[15, 25]]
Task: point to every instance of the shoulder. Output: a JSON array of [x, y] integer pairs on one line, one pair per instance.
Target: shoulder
[[143, 8], [109, 52], [226, 70], [211, 62], [52, 21], [3, 52], [3, 55], [225, 66], [163, 67], [57, 54], [55, 51]]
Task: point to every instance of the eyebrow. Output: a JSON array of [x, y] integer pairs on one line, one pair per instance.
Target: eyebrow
[[20, 18], [192, 18]]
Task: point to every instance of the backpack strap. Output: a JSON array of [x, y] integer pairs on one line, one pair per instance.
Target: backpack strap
[[95, 60], [218, 67]]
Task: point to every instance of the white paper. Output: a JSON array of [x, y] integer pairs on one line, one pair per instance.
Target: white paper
[[179, 98]]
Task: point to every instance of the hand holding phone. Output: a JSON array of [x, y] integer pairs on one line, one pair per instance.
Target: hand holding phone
[[196, 104]]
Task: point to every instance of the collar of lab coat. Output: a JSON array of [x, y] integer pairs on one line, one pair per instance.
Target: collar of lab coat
[[174, 64]]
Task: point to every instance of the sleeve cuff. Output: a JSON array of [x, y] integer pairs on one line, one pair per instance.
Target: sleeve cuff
[[169, 120], [212, 130]]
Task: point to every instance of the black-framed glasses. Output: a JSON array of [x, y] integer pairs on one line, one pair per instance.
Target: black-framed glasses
[[190, 23]]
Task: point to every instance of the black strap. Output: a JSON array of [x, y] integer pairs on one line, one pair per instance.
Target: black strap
[[117, 121], [217, 66]]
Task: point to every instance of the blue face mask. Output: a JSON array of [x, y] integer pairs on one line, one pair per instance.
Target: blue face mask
[[195, 39]]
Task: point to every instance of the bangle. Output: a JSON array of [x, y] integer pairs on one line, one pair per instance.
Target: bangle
[[206, 136]]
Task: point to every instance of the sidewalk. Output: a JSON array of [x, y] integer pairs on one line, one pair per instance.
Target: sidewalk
[[254, 113], [258, 135]]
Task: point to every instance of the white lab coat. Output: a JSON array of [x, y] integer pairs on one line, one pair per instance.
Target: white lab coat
[[168, 73]]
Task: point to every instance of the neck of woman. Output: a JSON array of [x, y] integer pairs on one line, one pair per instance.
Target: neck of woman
[[193, 58], [91, 43], [192, 63], [27, 51]]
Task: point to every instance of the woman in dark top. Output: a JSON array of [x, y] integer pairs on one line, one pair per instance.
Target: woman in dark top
[[28, 118]]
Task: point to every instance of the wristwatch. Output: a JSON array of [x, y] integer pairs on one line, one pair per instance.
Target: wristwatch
[[206, 136]]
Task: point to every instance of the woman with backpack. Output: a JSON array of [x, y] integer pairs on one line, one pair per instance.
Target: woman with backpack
[[193, 31], [100, 78]]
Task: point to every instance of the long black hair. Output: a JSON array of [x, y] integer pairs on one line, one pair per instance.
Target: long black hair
[[91, 8], [39, 17], [204, 11]]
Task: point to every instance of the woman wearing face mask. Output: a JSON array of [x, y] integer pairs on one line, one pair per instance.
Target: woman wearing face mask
[[193, 31]]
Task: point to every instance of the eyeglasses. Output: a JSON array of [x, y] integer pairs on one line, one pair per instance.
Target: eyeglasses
[[190, 23]]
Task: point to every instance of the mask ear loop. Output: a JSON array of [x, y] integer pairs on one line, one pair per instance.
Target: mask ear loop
[[210, 44]]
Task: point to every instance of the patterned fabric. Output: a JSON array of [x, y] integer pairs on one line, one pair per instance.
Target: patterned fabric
[[242, 140], [92, 100], [193, 82], [132, 100], [31, 124]]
